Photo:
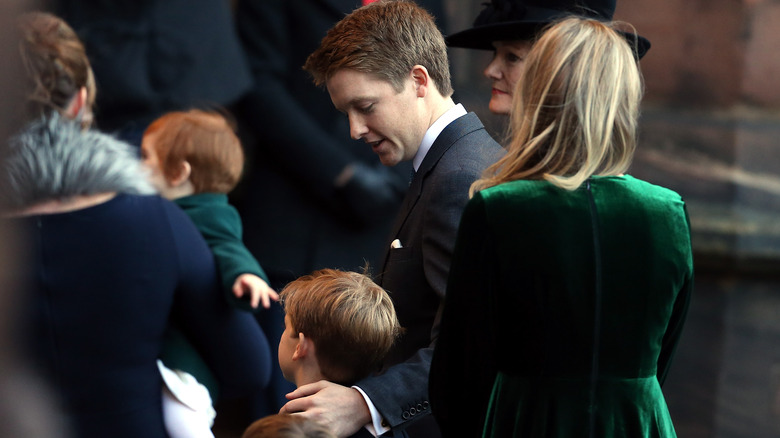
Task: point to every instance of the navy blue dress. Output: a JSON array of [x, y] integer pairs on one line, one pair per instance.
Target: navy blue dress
[[105, 283]]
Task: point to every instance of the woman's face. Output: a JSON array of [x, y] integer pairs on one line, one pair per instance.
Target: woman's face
[[504, 71]]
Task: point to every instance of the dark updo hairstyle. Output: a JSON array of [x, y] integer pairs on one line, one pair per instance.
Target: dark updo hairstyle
[[55, 65]]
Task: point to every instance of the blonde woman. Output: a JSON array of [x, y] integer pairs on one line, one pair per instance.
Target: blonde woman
[[570, 280]]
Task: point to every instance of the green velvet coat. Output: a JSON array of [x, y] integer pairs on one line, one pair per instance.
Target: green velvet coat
[[563, 310]]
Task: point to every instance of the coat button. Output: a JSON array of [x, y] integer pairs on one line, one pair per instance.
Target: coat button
[[406, 415], [413, 411]]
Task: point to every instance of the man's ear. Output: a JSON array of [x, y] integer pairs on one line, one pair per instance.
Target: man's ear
[[77, 103], [421, 80], [183, 175]]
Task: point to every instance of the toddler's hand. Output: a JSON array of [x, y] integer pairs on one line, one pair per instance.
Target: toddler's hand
[[258, 290]]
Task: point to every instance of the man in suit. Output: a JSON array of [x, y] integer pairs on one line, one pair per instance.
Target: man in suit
[[312, 198], [385, 66]]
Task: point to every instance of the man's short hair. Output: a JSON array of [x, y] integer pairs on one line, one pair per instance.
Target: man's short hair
[[350, 319], [384, 39]]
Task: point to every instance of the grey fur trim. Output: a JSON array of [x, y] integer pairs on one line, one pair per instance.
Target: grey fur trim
[[53, 158]]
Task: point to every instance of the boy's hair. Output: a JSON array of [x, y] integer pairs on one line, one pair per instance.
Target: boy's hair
[[576, 108], [55, 63], [350, 319], [287, 426], [204, 139], [384, 39]]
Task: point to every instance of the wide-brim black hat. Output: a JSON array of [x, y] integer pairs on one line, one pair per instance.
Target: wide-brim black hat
[[504, 20]]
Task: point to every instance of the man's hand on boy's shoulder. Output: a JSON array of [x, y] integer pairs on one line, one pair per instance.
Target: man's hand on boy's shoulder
[[340, 408]]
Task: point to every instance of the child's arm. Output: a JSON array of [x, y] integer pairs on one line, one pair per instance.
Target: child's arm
[[220, 225], [258, 290]]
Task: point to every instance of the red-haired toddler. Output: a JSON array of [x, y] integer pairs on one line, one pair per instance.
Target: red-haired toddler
[[196, 159]]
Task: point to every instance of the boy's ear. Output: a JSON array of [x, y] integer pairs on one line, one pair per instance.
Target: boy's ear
[[185, 170], [303, 348]]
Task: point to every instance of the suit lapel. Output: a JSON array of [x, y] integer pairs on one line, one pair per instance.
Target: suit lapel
[[452, 133]]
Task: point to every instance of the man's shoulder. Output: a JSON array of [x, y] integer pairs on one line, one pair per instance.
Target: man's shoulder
[[475, 143], [462, 150], [466, 123], [469, 128]]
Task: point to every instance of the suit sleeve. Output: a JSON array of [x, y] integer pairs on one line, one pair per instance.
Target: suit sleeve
[[448, 198], [440, 229], [463, 366], [681, 304], [230, 341], [402, 387]]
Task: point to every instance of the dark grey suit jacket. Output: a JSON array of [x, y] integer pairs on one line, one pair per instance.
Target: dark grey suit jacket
[[415, 275]]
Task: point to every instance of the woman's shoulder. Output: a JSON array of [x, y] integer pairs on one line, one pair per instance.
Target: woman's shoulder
[[650, 189], [649, 197], [160, 217], [517, 190], [136, 202], [524, 189], [149, 210]]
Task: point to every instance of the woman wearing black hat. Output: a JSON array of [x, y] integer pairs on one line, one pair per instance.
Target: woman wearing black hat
[[509, 27]]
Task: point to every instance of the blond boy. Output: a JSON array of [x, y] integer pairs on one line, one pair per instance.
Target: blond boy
[[338, 326]]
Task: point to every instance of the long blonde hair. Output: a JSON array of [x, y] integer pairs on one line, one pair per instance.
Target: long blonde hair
[[575, 110]]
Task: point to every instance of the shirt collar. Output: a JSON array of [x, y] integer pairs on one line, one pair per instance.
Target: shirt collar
[[433, 132]]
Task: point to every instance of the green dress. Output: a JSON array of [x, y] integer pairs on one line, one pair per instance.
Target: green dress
[[563, 311]]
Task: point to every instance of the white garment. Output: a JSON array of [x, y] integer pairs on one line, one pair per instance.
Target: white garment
[[187, 408]]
